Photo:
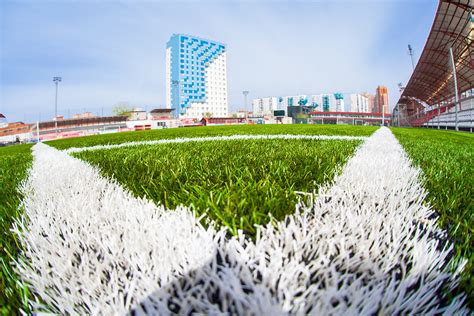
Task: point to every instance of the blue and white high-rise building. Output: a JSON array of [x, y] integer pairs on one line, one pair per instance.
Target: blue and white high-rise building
[[196, 77]]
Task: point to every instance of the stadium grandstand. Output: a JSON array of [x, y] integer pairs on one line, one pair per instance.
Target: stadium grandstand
[[440, 92]]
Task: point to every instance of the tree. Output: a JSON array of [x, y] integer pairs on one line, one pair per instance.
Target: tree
[[302, 115], [122, 109], [235, 115], [208, 115]]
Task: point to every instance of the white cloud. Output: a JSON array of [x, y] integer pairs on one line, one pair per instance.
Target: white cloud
[[114, 51]]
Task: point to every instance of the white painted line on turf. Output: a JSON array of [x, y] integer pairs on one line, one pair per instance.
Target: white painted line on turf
[[214, 138], [89, 242], [369, 244]]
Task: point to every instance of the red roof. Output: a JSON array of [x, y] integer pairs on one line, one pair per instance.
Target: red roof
[[161, 110], [432, 79]]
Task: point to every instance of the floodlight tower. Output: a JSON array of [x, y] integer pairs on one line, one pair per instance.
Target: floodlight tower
[[245, 93], [56, 81], [410, 52]]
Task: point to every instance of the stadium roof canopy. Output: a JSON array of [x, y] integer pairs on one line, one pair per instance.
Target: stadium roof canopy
[[432, 79]]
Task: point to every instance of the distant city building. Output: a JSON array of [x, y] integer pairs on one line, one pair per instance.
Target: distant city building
[[161, 114], [370, 100], [359, 103], [339, 102], [265, 106], [316, 102], [333, 102], [381, 100], [137, 115], [292, 100], [196, 77], [327, 102], [14, 132]]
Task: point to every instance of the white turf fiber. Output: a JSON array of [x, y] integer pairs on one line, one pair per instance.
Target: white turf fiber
[[368, 244]]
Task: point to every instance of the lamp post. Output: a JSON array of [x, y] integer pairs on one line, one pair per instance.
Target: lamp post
[[401, 88], [455, 87], [56, 81], [245, 93], [383, 114]]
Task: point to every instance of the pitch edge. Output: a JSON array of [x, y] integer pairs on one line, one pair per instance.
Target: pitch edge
[[368, 244]]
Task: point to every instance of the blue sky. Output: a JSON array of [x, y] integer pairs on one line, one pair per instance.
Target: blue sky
[[114, 51]]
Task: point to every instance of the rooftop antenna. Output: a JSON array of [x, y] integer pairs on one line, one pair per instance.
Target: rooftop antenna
[[246, 93], [410, 52]]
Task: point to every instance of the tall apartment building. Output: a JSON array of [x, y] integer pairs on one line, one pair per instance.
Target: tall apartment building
[[333, 102], [371, 101], [265, 106], [291, 100], [359, 103], [381, 99], [196, 77], [339, 102]]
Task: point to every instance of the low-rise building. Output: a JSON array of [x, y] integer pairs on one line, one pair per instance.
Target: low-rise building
[[161, 114], [223, 121], [137, 115], [14, 132]]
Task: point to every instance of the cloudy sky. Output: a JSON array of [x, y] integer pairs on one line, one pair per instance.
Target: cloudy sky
[[113, 51]]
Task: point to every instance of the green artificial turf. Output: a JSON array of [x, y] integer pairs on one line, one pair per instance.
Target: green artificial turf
[[238, 182], [205, 131], [14, 162], [447, 161]]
